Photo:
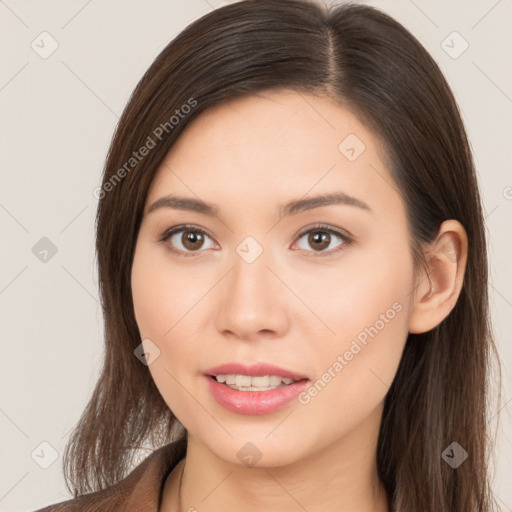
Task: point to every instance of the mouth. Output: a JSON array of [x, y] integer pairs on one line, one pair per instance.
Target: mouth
[[254, 389], [249, 394], [254, 383]]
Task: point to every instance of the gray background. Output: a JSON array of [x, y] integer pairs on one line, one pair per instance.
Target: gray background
[[58, 115]]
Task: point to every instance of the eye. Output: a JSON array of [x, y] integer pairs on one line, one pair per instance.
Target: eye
[[321, 237], [188, 239]]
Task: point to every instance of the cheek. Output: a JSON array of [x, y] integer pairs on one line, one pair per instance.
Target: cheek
[[162, 293], [148, 294], [366, 304], [162, 296], [353, 296]]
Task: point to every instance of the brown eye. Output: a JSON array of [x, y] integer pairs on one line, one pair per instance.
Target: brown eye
[[186, 240], [192, 239], [320, 238]]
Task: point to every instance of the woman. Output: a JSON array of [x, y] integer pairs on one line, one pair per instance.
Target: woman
[[292, 264]]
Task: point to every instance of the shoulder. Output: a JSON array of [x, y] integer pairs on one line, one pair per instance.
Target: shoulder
[[140, 490]]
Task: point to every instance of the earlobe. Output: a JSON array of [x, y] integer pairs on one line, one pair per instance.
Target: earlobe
[[439, 285]]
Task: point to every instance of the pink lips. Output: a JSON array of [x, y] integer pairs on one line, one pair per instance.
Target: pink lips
[[254, 402]]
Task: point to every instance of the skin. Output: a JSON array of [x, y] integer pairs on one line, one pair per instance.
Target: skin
[[292, 306]]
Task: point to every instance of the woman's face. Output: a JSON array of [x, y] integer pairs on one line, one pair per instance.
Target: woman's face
[[259, 283]]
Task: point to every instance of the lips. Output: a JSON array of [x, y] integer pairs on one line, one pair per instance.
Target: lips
[[254, 370], [254, 402]]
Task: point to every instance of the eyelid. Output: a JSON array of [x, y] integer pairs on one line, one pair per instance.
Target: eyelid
[[326, 227], [182, 227]]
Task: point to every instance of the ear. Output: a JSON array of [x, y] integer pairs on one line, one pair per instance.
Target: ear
[[438, 287]]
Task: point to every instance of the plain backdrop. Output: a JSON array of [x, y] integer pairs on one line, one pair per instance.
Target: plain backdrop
[[67, 69]]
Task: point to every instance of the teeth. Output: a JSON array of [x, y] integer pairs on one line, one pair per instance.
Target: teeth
[[243, 380], [275, 380], [248, 383], [260, 382]]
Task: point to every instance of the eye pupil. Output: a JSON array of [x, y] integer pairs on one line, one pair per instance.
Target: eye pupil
[[319, 237], [190, 239]]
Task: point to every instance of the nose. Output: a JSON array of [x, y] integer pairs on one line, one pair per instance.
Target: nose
[[253, 302]]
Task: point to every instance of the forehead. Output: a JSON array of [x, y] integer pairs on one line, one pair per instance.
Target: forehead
[[271, 147]]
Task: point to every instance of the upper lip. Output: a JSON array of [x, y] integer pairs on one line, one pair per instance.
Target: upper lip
[[254, 370]]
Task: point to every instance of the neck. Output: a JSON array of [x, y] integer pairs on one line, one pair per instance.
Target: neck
[[341, 477]]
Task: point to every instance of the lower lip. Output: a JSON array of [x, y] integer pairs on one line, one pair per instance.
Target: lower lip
[[254, 402]]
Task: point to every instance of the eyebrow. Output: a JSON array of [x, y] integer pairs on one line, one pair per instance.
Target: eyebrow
[[291, 208]]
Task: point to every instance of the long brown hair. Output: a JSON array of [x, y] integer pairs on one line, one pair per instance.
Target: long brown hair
[[365, 60]]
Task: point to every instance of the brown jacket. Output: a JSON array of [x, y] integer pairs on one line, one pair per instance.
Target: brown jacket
[[140, 491]]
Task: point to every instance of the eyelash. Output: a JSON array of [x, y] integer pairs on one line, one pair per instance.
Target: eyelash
[[347, 240]]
